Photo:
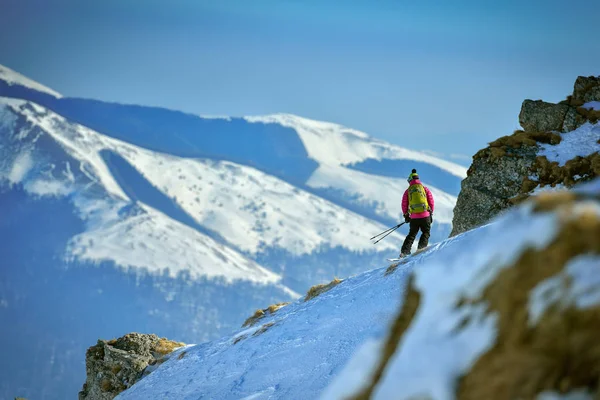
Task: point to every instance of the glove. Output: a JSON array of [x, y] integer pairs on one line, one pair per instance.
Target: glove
[[407, 218]]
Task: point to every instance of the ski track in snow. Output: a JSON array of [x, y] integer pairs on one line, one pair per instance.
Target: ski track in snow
[[327, 347]]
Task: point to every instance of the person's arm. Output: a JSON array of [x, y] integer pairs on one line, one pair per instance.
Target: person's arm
[[430, 199], [405, 203]]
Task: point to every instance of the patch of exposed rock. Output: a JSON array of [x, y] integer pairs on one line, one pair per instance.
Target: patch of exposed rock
[[509, 169], [115, 365]]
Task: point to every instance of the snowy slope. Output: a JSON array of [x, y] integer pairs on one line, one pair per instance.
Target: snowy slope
[[205, 218], [253, 210], [328, 347], [333, 144], [141, 237], [320, 157], [581, 142], [250, 209], [14, 78], [382, 191], [148, 239], [337, 148]]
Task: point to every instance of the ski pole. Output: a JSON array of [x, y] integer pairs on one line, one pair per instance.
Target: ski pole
[[387, 234], [387, 230]]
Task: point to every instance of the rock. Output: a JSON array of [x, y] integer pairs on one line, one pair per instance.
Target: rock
[[114, 365], [539, 116], [491, 182], [508, 170], [587, 88], [573, 120]]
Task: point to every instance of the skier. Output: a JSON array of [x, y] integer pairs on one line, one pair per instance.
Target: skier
[[417, 207]]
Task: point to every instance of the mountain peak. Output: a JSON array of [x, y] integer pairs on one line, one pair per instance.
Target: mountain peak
[[14, 78]]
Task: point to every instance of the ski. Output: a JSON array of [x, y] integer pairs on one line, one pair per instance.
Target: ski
[[408, 256]]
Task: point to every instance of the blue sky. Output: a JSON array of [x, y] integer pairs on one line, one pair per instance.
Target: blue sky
[[448, 76]]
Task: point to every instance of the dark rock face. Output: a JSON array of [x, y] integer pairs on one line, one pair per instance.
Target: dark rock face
[[114, 365], [587, 88], [490, 183], [500, 174], [539, 116]]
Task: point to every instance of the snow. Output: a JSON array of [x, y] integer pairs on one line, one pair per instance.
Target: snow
[[432, 357], [130, 236], [383, 191], [365, 358], [548, 188], [14, 78], [582, 142], [156, 243], [572, 395], [335, 145], [328, 347], [22, 164], [45, 187], [294, 359], [207, 116], [251, 209], [592, 105], [79, 142], [577, 285], [248, 208]]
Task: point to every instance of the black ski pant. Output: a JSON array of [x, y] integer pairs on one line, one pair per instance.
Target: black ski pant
[[424, 224]]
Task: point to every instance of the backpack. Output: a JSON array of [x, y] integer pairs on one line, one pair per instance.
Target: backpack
[[417, 199]]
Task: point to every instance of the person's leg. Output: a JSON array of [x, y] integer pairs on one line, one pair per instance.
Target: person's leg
[[425, 225], [410, 238]]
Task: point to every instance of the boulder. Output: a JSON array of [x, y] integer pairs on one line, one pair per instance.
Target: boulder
[[587, 88], [539, 116], [115, 365], [491, 182]]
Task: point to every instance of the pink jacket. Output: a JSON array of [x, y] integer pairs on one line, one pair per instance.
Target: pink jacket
[[430, 201]]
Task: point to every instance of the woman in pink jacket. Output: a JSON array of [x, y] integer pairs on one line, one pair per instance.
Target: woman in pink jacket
[[417, 207]]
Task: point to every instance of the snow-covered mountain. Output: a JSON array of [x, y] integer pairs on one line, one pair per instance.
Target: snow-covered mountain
[[509, 310], [13, 78], [126, 218]]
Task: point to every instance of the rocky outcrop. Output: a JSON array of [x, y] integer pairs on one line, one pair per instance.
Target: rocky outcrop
[[587, 88], [539, 116], [509, 169], [490, 184], [114, 365]]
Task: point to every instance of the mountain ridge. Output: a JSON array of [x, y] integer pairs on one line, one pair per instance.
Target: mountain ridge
[[182, 249]]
